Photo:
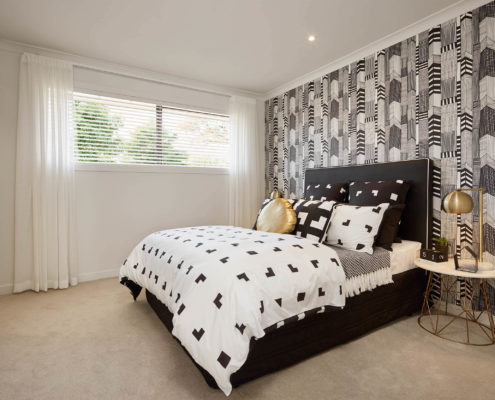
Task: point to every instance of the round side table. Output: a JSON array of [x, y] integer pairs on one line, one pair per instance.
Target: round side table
[[452, 295]]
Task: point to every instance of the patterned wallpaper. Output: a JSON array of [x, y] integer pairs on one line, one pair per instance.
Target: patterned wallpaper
[[432, 95]]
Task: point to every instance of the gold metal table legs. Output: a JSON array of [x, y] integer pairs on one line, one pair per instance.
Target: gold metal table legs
[[471, 307]]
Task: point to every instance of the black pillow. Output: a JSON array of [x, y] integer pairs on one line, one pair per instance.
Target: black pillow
[[313, 218], [330, 191], [387, 233], [374, 193]]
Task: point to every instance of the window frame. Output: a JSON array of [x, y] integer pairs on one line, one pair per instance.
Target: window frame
[[144, 168], [81, 166]]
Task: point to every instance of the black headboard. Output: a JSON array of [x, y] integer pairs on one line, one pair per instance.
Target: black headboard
[[417, 217]]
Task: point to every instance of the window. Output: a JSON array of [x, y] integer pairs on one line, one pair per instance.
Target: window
[[113, 130]]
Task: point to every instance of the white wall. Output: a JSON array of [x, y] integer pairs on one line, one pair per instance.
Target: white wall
[[115, 208]]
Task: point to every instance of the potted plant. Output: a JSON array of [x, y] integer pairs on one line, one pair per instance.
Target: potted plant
[[442, 246]]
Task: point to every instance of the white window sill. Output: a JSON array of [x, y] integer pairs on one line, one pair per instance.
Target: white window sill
[[156, 169]]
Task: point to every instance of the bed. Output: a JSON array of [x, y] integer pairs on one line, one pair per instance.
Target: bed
[[300, 337]]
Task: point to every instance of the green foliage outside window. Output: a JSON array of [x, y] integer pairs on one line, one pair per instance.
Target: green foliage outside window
[[96, 138], [146, 146]]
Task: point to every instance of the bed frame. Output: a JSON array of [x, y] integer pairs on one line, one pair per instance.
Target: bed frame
[[299, 340]]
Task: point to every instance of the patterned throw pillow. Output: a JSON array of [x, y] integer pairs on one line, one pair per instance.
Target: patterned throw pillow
[[374, 193], [313, 218], [330, 191], [355, 227]]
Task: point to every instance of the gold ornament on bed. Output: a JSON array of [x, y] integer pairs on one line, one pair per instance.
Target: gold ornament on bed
[[277, 216]]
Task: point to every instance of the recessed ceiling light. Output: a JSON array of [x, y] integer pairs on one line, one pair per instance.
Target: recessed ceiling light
[[311, 38]]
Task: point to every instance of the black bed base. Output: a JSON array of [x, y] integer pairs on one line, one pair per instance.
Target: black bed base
[[299, 340]]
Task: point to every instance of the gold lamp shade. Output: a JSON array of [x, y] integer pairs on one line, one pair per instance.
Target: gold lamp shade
[[458, 202]]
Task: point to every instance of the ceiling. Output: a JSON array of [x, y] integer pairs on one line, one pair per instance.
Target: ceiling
[[253, 45]]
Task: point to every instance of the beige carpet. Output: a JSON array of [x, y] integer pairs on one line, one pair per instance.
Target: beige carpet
[[93, 342]]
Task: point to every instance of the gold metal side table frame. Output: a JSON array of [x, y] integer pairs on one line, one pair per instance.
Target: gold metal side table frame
[[465, 289]]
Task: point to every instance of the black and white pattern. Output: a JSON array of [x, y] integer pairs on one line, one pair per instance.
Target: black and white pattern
[[226, 285], [330, 191], [313, 218], [429, 96], [355, 227], [374, 193], [364, 271]]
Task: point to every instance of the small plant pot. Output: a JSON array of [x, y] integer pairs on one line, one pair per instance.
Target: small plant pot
[[444, 250]]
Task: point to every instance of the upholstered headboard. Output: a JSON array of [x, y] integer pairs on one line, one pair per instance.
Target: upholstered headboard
[[416, 221]]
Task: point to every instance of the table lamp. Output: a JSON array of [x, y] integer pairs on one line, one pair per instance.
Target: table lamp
[[459, 202]]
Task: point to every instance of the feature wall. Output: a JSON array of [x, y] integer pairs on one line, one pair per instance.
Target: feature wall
[[431, 95]]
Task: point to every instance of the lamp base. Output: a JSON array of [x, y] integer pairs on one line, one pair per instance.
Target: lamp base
[[485, 266], [469, 266]]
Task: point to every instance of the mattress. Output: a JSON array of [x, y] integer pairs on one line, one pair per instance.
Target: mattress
[[365, 271], [403, 255], [400, 259]]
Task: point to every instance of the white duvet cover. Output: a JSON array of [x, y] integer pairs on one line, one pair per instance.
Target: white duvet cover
[[225, 285]]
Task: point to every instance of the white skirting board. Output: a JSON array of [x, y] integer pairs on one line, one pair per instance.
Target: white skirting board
[[6, 289], [93, 276], [84, 277]]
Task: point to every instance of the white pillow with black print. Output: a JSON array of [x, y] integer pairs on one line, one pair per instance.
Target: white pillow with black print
[[355, 227]]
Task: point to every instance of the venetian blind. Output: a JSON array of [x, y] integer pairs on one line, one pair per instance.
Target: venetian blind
[[114, 130]]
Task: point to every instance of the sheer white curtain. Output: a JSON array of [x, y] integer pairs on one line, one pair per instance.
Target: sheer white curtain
[[246, 177], [45, 251]]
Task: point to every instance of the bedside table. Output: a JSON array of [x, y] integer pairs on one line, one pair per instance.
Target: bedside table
[[472, 303]]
